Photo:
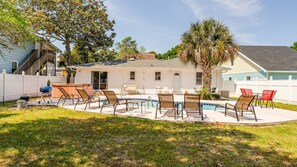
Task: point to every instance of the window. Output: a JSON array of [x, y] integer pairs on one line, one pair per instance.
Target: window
[[230, 78], [198, 78], [132, 75], [248, 78], [14, 66], [158, 76]]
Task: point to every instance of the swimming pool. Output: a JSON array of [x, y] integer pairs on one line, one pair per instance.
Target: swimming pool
[[153, 103]]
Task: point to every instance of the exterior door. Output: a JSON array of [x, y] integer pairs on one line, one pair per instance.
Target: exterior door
[[99, 80], [176, 81]]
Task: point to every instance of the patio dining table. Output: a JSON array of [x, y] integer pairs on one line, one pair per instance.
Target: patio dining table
[[142, 102]]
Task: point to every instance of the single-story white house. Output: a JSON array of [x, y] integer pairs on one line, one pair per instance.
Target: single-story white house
[[147, 75]]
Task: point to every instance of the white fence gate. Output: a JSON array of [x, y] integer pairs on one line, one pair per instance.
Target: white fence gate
[[14, 86], [286, 89]]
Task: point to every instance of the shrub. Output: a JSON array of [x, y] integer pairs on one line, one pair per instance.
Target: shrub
[[215, 96], [205, 95]]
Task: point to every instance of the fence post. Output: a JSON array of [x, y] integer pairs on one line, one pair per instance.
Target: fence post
[[37, 78], [23, 82], [256, 84], [4, 77], [270, 84], [290, 88]]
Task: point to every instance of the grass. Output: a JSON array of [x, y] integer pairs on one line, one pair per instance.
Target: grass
[[51, 136]]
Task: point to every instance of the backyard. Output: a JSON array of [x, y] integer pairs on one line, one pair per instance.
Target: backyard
[[54, 136]]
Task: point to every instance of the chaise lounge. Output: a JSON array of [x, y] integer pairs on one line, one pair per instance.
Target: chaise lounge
[[243, 104]]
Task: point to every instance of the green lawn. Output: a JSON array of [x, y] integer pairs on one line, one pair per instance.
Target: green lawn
[[60, 137]]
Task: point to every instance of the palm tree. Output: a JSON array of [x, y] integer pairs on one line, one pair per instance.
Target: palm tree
[[207, 44]]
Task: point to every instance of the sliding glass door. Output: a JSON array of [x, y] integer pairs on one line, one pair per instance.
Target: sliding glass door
[[99, 80]]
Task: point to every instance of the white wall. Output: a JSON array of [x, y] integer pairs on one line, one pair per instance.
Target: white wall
[[240, 65], [286, 89], [145, 78], [14, 86]]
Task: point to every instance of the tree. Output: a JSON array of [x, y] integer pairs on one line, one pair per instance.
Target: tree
[[105, 54], [82, 22], [141, 49], [80, 56], [14, 27], [170, 54], [127, 48], [208, 44], [294, 46]]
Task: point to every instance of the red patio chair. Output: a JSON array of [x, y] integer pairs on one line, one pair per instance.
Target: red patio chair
[[243, 92], [267, 96], [249, 92]]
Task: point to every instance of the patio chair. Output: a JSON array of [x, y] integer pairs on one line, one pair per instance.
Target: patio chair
[[112, 100], [192, 101], [66, 96], [243, 92], [166, 101], [86, 98], [267, 95], [243, 104], [249, 92]]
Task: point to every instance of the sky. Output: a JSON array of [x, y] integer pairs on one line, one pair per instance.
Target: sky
[[158, 24]]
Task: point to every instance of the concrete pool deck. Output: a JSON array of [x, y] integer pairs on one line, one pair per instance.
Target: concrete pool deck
[[266, 116]]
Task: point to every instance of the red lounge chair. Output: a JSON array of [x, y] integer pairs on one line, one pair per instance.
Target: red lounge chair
[[249, 92], [267, 96], [243, 92]]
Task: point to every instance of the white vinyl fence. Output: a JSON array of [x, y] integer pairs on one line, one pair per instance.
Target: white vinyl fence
[[14, 86], [286, 89]]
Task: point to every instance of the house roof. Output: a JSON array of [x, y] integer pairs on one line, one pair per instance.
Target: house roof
[[272, 58], [173, 63]]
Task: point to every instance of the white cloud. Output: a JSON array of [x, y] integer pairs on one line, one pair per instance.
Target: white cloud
[[230, 11], [240, 8]]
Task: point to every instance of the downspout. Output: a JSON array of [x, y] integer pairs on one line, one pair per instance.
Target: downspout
[[40, 56]]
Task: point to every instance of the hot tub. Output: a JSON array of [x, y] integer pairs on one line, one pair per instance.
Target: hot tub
[[70, 88]]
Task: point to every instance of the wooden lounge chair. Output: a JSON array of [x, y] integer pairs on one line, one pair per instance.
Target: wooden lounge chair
[[267, 95], [85, 98], [166, 101], [192, 101], [113, 101], [243, 104], [66, 96]]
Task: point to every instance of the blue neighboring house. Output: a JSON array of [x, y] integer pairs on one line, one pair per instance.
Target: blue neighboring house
[[262, 62], [32, 57]]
